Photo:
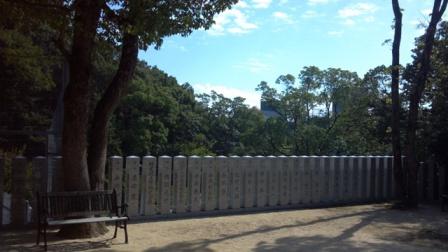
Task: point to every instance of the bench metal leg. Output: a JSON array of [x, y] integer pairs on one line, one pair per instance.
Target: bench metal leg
[[45, 236], [116, 227], [38, 234], [125, 231]]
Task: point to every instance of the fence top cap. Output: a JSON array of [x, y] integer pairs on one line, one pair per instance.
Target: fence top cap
[[132, 157], [271, 156], [235, 156], [221, 156], [247, 156], [116, 157], [209, 157], [149, 156], [180, 156], [194, 156], [259, 156], [165, 156]]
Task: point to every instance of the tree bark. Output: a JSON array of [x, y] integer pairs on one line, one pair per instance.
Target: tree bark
[[76, 98], [417, 89], [396, 146], [76, 109], [97, 150]]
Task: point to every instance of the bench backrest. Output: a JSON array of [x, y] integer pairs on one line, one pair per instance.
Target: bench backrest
[[77, 204]]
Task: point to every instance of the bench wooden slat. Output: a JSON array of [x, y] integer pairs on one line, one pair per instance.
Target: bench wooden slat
[[85, 220]]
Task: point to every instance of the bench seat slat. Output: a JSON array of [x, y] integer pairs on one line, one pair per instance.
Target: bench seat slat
[[85, 220]]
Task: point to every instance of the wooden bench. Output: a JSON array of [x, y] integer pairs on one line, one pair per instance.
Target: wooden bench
[[66, 208], [444, 202]]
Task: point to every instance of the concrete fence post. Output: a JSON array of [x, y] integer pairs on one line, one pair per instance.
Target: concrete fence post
[[222, 164], [194, 183], [390, 178], [180, 182], [273, 181], [237, 182], [346, 182], [357, 179], [18, 190], [283, 165], [149, 174], [248, 181], [295, 179], [325, 169], [164, 184], [209, 186], [116, 176], [262, 180], [314, 166], [133, 185], [306, 181], [331, 180]]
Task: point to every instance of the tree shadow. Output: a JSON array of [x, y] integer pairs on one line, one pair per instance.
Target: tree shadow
[[203, 245], [25, 240], [341, 242]]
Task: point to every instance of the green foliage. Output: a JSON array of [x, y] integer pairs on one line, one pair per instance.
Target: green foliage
[[328, 112]]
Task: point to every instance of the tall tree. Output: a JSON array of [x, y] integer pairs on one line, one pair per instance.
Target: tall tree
[[396, 146], [76, 99], [141, 23], [423, 62]]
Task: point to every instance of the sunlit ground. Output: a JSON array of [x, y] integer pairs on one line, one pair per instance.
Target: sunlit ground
[[355, 228]]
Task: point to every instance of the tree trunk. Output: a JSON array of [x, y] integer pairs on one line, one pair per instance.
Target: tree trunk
[[414, 100], [396, 146], [76, 106], [98, 135]]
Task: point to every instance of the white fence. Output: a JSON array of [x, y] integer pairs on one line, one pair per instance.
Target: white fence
[[176, 186]]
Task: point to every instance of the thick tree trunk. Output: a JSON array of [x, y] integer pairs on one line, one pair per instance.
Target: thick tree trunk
[[76, 99], [396, 146], [104, 109], [414, 100], [76, 106]]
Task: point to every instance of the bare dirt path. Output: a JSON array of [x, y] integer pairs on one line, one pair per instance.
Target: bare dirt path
[[354, 228]]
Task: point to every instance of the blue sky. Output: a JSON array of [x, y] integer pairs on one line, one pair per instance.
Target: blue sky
[[258, 40]]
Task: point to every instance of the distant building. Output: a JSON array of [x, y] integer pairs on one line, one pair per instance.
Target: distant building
[[268, 111]]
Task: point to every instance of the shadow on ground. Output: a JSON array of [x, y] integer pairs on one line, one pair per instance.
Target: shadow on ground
[[427, 235], [25, 240], [417, 230]]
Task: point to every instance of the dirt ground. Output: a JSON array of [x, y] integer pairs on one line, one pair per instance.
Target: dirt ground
[[354, 228]]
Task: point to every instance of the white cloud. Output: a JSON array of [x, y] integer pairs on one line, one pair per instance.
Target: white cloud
[[282, 16], [358, 9], [241, 4], [261, 4], [357, 12], [231, 21], [316, 2], [252, 98], [253, 65]]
